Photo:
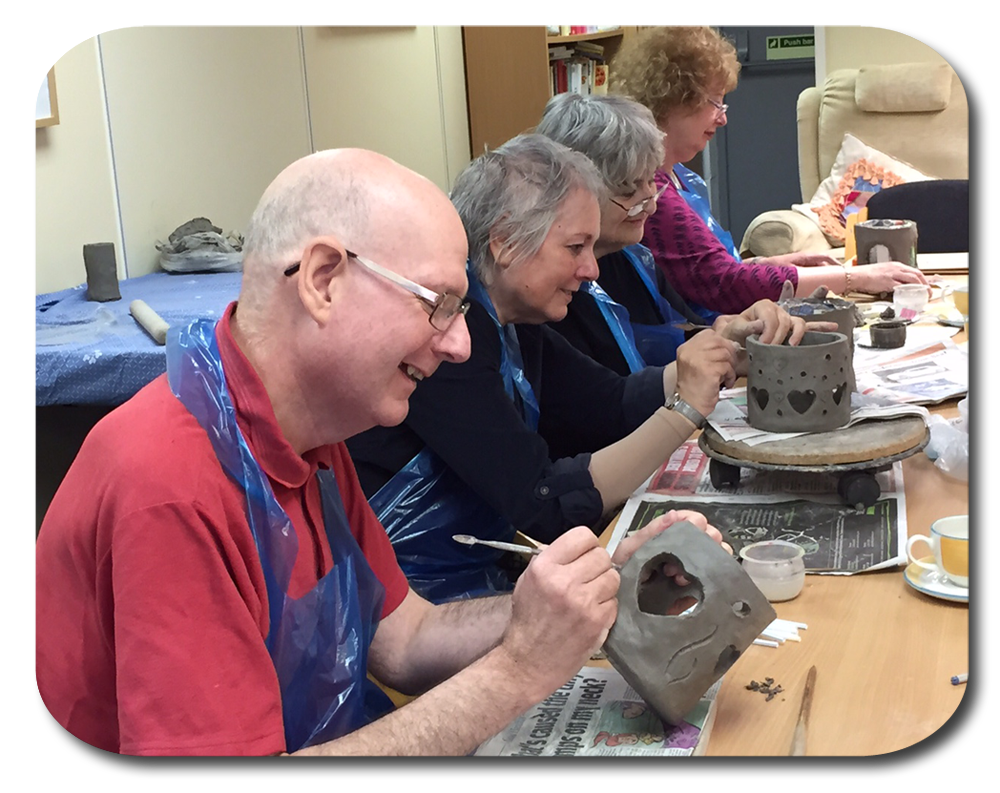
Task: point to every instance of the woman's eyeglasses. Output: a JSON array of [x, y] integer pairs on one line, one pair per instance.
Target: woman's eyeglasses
[[639, 208]]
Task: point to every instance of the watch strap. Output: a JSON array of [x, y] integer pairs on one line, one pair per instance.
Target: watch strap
[[678, 405]]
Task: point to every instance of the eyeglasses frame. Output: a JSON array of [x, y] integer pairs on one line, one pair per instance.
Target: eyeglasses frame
[[720, 108], [637, 209], [428, 298]]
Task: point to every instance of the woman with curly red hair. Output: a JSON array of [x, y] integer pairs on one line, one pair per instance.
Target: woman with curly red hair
[[682, 74]]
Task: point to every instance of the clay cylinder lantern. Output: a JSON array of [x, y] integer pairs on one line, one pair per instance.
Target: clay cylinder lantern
[[799, 389], [829, 309]]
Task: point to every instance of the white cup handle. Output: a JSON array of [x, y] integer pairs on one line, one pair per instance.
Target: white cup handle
[[909, 553]]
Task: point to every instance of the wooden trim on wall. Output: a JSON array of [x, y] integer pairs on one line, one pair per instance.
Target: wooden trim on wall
[[53, 117]]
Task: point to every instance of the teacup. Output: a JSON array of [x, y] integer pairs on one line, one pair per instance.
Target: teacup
[[960, 294], [949, 540], [913, 296]]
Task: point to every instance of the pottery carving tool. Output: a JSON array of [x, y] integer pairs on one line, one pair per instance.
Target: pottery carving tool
[[468, 539], [798, 747]]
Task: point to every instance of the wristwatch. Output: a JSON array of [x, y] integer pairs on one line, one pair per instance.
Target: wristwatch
[[679, 405]]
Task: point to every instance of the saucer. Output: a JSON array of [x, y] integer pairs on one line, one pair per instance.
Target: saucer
[[933, 583]]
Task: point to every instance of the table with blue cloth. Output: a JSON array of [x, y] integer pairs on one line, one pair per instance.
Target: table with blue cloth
[[90, 353], [91, 356]]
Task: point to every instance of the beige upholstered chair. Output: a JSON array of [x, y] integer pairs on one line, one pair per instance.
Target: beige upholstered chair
[[916, 113]]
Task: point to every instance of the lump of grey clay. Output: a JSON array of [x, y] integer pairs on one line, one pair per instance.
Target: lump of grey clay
[[671, 660]]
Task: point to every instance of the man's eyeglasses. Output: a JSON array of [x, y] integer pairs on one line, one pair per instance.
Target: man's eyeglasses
[[639, 208], [443, 308], [720, 109]]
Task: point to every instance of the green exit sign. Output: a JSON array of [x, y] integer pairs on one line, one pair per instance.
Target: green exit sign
[[780, 48]]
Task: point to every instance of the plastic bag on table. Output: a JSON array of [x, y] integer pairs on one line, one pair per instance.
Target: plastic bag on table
[[949, 443], [86, 330], [200, 247]]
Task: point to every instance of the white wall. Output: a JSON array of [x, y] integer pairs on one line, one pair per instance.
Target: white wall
[[196, 121], [850, 47], [202, 119], [398, 90], [74, 189]]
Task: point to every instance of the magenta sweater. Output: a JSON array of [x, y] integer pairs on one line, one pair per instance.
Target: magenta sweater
[[698, 266]]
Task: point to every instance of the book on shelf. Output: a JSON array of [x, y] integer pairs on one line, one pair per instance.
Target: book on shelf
[[589, 48], [600, 79], [576, 74]]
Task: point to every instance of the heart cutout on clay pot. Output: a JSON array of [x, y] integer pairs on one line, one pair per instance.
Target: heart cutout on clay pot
[[838, 392], [801, 400], [760, 396]]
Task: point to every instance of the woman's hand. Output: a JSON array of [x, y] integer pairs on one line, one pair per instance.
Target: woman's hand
[[770, 322], [704, 364], [874, 279]]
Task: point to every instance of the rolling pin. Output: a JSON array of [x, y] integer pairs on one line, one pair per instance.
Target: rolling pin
[[151, 321]]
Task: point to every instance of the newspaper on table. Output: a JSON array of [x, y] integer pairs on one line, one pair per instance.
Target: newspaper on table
[[597, 713], [800, 507], [937, 372], [729, 418]]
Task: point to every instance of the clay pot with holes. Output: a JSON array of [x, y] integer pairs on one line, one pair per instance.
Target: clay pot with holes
[[805, 388]]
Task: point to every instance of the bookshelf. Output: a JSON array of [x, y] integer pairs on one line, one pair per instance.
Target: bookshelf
[[507, 77]]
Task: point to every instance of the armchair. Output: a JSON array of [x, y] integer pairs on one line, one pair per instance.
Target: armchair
[[914, 116]]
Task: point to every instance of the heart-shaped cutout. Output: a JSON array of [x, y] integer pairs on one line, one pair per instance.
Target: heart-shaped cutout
[[801, 401], [760, 396], [838, 392], [662, 595]]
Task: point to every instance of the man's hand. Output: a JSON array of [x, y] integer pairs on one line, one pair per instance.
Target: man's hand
[[564, 604], [630, 544], [704, 364], [874, 279]]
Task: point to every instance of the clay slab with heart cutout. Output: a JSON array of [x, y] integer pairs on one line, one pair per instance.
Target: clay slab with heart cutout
[[670, 658]]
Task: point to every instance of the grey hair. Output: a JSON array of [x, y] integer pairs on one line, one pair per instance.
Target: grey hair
[[514, 194], [617, 133]]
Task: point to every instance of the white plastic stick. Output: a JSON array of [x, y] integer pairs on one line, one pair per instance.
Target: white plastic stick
[[765, 643]]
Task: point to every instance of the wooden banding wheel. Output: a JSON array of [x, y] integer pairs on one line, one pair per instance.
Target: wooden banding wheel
[[857, 452]]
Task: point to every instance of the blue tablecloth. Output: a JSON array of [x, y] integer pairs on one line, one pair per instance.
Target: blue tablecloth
[[89, 353]]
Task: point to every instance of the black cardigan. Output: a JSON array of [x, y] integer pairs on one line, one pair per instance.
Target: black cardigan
[[539, 481]]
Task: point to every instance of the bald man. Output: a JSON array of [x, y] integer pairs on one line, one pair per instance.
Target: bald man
[[210, 578]]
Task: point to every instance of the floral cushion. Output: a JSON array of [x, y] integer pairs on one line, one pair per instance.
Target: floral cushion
[[859, 172]]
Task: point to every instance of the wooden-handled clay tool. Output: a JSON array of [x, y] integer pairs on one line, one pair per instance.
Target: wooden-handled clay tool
[[798, 747], [468, 539]]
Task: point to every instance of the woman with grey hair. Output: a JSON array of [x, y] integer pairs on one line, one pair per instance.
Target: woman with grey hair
[[631, 316], [481, 450]]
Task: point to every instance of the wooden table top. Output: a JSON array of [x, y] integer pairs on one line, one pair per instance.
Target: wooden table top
[[884, 653]]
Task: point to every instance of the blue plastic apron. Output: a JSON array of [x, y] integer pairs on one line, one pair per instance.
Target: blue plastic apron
[[319, 642], [425, 502], [695, 192], [657, 344]]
